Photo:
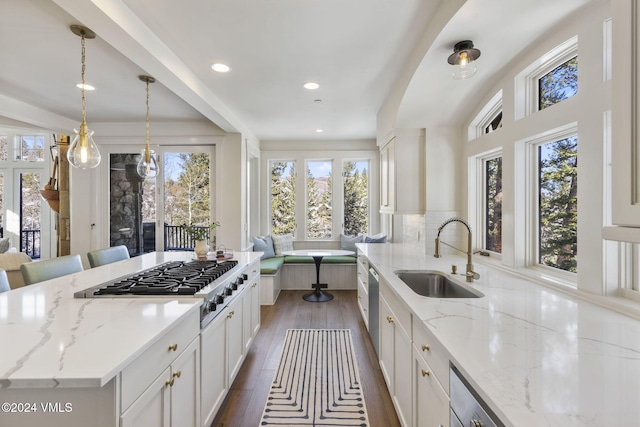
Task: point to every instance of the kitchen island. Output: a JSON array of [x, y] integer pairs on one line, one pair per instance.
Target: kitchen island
[[535, 355], [68, 361]]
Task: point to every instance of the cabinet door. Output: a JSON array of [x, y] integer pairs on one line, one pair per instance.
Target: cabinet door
[[152, 408], [402, 375], [185, 389], [235, 342], [387, 344], [431, 403], [255, 307], [213, 364], [384, 178]]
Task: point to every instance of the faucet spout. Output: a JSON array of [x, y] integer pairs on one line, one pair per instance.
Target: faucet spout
[[470, 274]]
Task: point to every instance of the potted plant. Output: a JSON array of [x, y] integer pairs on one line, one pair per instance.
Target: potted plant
[[200, 233]]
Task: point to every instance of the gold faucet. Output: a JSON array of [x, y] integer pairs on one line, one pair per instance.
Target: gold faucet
[[470, 274]]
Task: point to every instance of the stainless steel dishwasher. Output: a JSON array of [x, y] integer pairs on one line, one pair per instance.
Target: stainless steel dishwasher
[[374, 308], [467, 409]]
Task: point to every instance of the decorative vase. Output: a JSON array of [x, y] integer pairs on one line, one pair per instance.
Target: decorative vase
[[201, 249]]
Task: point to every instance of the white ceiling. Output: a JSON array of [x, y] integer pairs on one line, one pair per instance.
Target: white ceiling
[[355, 49]]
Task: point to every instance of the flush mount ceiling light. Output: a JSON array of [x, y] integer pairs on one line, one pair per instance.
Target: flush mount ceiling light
[[319, 130], [311, 85], [463, 58], [221, 68], [147, 166], [83, 152]]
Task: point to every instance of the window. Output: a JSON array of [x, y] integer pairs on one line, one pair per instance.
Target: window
[[493, 204], [283, 201], [4, 147], [495, 123], [319, 199], [355, 181], [32, 148], [30, 213], [558, 84], [488, 119], [558, 203]]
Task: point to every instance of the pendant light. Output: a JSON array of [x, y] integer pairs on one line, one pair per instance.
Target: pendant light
[[463, 59], [83, 152], [147, 166]]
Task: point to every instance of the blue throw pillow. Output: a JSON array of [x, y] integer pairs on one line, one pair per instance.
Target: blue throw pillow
[[264, 244], [348, 243], [375, 239]]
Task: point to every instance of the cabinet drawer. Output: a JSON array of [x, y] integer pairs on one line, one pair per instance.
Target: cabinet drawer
[[141, 372], [401, 315], [432, 352], [253, 271]]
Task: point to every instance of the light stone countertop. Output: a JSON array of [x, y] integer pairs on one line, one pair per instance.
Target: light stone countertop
[[51, 339], [536, 355]]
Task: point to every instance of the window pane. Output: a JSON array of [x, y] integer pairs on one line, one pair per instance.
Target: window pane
[[493, 204], [558, 204], [319, 189], [3, 147], [30, 208], [283, 201], [355, 176], [558, 84], [32, 148], [495, 123], [186, 196]]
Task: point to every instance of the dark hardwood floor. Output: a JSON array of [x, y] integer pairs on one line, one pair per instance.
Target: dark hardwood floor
[[244, 404]]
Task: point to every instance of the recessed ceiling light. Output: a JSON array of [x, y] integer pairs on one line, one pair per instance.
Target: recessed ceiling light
[[319, 130], [317, 101], [86, 86], [221, 68], [311, 85]]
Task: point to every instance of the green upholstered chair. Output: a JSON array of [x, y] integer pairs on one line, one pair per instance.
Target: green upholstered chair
[[34, 272], [4, 281], [107, 256]]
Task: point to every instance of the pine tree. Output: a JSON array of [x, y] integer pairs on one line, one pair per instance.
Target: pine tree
[[192, 199], [355, 199], [559, 204], [283, 219]]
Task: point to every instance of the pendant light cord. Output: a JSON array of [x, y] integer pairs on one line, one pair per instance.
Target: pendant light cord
[[84, 102]]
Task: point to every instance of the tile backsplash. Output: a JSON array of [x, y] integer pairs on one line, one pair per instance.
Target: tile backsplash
[[420, 231]]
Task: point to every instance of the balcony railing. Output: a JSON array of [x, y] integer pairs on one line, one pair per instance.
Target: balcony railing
[[175, 237], [30, 243]]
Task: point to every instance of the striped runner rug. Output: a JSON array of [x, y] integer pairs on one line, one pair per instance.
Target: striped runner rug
[[317, 382]]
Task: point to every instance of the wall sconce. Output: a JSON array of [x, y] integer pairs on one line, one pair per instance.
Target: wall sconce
[[83, 152], [147, 166], [463, 58]]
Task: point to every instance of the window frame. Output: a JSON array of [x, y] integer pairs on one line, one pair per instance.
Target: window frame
[[296, 191], [477, 199], [532, 205], [485, 117], [306, 199], [526, 82], [369, 210]]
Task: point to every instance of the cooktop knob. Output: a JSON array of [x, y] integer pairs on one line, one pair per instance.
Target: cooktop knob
[[212, 306], [245, 276], [234, 286], [228, 291], [219, 299]]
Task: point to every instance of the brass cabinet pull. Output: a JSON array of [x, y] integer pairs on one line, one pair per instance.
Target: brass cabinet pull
[[169, 382], [389, 319], [425, 373], [425, 347], [254, 285], [230, 315], [173, 347], [255, 271], [177, 374]]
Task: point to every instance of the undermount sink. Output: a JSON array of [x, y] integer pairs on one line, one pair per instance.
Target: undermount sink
[[435, 284]]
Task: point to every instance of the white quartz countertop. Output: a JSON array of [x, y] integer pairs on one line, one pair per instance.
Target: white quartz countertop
[[51, 339], [536, 355]]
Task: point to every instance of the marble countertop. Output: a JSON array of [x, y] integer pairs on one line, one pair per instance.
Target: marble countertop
[[536, 355], [51, 339]]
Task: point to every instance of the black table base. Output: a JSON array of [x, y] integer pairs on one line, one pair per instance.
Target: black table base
[[318, 295]]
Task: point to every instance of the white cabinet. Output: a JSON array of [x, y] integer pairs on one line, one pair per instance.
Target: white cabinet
[[625, 161], [430, 401], [173, 398], [363, 288], [395, 352], [225, 343], [402, 173]]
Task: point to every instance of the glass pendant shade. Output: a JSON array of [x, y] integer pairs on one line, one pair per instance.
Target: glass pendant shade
[[465, 68], [83, 152], [147, 166]]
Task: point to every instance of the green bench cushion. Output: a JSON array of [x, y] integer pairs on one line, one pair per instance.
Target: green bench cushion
[[346, 259], [271, 265]]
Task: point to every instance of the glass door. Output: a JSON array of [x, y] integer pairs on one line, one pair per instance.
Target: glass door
[[33, 227]]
